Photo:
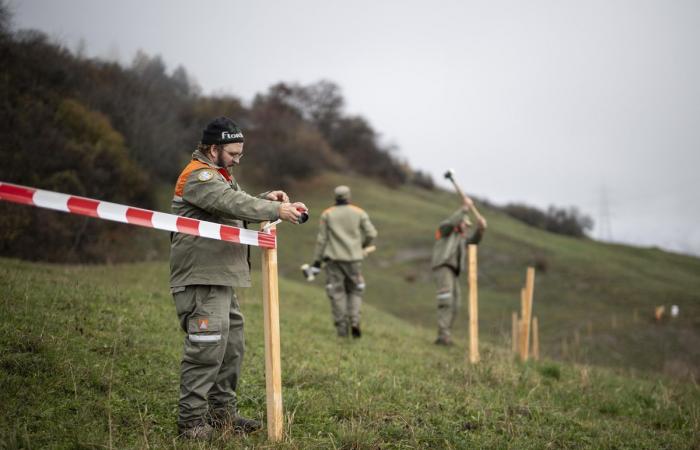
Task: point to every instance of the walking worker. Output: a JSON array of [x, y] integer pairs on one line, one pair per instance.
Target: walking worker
[[204, 274], [344, 234], [449, 260]]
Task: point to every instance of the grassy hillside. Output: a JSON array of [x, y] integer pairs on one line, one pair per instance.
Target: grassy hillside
[[89, 358], [594, 301]]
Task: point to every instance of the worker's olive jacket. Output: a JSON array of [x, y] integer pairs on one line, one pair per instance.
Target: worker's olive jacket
[[343, 232], [206, 191], [450, 245]]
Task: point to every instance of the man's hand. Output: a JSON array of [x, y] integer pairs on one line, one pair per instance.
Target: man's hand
[[290, 212], [277, 196], [481, 223]]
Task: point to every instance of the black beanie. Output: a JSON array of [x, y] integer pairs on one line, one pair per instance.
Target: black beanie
[[221, 130]]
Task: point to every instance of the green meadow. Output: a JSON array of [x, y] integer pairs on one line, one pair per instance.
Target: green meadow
[[89, 355]]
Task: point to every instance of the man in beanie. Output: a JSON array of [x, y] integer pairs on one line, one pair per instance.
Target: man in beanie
[[203, 275], [451, 240], [344, 233]]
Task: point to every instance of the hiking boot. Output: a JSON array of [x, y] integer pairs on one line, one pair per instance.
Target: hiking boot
[[243, 425], [200, 431], [342, 329], [356, 333], [444, 340], [228, 418]]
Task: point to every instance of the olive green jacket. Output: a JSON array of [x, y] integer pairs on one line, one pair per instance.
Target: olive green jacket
[[450, 245], [205, 191], [343, 232]]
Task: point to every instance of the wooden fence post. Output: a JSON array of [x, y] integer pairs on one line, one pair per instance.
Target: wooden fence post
[[527, 318], [514, 332], [473, 307], [273, 366], [522, 332], [535, 339], [521, 323]]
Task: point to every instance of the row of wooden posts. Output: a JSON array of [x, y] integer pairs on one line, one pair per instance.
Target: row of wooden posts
[[526, 326], [522, 330], [523, 327]]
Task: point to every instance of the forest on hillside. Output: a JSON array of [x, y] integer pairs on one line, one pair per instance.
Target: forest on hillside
[[98, 129]]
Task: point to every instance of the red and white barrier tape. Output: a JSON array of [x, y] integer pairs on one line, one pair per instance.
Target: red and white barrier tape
[[134, 216]]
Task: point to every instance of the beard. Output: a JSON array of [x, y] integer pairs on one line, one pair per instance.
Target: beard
[[220, 160]]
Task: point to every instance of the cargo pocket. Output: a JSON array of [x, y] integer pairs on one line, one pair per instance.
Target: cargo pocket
[[204, 345], [333, 289], [204, 330], [444, 299], [359, 282]]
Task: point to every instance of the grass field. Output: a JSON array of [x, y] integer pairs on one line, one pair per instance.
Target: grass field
[[89, 359], [603, 293], [89, 356]]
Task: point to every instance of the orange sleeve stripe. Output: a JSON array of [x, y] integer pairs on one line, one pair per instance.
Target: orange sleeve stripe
[[182, 179]]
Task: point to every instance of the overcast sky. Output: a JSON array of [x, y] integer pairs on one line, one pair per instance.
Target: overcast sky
[[594, 104]]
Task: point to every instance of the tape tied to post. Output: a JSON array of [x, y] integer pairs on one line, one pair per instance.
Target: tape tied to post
[[115, 212]]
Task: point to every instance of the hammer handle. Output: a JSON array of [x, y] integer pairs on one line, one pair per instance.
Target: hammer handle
[[461, 193]]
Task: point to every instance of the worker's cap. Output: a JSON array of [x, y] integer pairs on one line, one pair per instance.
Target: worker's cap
[[342, 192], [221, 130]]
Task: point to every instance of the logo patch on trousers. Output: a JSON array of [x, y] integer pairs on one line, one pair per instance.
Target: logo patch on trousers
[[203, 324]]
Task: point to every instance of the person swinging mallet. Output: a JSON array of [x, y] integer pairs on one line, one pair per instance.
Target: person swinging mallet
[[452, 239]]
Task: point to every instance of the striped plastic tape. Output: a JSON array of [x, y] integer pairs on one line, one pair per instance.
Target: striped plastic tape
[[134, 216]]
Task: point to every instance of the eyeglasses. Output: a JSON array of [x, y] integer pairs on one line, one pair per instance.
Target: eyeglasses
[[236, 156]]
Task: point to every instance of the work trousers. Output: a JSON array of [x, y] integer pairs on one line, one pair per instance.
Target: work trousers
[[448, 299], [213, 351], [345, 286]]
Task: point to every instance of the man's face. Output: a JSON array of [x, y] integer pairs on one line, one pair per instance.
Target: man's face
[[229, 155]]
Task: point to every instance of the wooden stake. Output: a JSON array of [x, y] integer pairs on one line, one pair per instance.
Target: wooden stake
[[535, 339], [522, 332], [529, 292], [521, 323], [514, 332], [473, 307], [273, 366]]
